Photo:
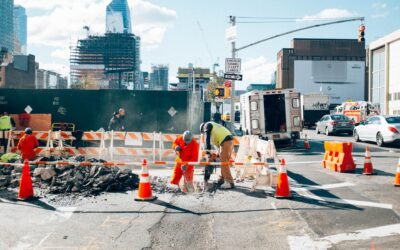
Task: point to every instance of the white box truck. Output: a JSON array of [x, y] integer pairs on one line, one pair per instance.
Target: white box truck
[[314, 107], [272, 114]]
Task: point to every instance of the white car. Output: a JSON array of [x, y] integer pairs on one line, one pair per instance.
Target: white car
[[380, 129]]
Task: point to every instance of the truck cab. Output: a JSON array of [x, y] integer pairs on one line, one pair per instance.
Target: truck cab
[[272, 114]]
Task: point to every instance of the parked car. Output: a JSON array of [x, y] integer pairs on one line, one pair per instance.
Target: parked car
[[335, 124], [380, 129]]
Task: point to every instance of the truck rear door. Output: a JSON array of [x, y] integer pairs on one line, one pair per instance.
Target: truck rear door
[[255, 114], [295, 120]]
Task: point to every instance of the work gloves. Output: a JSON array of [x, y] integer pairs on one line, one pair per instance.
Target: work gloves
[[178, 149], [183, 167]]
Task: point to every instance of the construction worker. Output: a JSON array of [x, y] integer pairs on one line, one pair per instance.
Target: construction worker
[[27, 145], [222, 138], [116, 123], [6, 124], [187, 150]]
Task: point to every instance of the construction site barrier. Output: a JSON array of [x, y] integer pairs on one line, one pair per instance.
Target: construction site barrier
[[338, 156]]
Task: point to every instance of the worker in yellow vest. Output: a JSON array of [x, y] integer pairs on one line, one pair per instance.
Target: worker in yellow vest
[[221, 137], [6, 123]]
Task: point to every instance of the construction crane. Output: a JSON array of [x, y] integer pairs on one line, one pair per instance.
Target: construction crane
[[232, 20], [203, 35]]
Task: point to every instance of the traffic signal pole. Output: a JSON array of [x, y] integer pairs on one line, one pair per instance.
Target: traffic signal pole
[[232, 116], [232, 20]]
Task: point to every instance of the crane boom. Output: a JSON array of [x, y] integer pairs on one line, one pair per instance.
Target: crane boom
[[300, 29]]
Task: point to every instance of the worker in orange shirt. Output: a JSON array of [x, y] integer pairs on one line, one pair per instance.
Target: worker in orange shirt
[[187, 150], [27, 145]]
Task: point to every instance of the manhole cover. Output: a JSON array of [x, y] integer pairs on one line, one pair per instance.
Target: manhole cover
[[28, 109], [172, 111]]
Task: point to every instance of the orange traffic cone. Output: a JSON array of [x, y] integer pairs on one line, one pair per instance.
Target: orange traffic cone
[[397, 176], [306, 143], [282, 188], [25, 186], [368, 169], [145, 193]]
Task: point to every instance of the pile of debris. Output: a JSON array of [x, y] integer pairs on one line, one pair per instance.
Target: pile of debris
[[59, 179]]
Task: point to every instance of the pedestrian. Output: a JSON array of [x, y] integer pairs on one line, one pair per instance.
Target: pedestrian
[[27, 145], [187, 150], [6, 124], [121, 112], [221, 137], [217, 119], [116, 122]]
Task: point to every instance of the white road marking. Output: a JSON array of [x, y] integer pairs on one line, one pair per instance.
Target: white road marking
[[324, 187], [305, 242], [65, 212], [349, 202]]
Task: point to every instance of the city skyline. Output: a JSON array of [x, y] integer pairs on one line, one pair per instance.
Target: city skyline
[[160, 24]]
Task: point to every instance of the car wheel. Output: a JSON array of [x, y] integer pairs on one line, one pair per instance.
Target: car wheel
[[356, 136], [379, 140], [317, 130], [327, 131]]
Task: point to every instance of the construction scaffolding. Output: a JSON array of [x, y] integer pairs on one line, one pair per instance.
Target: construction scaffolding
[[108, 61]]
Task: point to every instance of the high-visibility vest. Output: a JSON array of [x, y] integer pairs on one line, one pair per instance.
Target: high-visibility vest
[[218, 134], [5, 122]]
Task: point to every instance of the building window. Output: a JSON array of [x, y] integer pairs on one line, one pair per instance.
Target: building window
[[378, 78]]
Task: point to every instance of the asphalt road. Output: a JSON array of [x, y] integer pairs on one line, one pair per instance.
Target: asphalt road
[[328, 210]]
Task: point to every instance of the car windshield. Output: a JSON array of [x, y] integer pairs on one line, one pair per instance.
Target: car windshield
[[339, 118], [393, 120]]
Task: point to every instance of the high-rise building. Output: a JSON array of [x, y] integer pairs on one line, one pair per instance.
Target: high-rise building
[[118, 17], [159, 77], [192, 76], [333, 67], [7, 25], [109, 61], [20, 30]]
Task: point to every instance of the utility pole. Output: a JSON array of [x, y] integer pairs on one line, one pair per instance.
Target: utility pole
[[232, 116]]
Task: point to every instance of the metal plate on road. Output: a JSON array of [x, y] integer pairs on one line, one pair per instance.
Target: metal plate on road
[[235, 77], [233, 65]]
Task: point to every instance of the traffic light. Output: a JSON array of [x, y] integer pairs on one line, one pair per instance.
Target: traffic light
[[220, 92], [227, 92], [361, 33]]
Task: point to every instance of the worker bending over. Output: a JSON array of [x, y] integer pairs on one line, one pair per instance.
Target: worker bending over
[[27, 145], [187, 150], [222, 138]]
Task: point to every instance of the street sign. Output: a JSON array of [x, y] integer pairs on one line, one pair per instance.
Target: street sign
[[233, 65], [228, 84], [231, 34], [235, 77]]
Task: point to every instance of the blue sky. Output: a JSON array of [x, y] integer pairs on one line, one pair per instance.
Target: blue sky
[[171, 35]]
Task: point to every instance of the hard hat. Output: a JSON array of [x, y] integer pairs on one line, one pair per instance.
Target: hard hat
[[202, 127], [187, 136], [28, 131]]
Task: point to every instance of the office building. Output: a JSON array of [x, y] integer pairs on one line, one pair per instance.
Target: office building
[[21, 73], [7, 25], [384, 73], [20, 30], [192, 76], [334, 67], [159, 77], [118, 17]]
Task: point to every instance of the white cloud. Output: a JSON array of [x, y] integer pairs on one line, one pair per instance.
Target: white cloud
[[256, 70], [61, 23], [380, 10], [56, 67], [379, 5], [329, 13]]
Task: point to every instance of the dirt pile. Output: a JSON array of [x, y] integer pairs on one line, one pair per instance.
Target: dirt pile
[[58, 179]]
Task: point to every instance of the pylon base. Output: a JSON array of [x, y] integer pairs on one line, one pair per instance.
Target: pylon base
[[33, 198], [373, 173], [283, 197], [146, 199]]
